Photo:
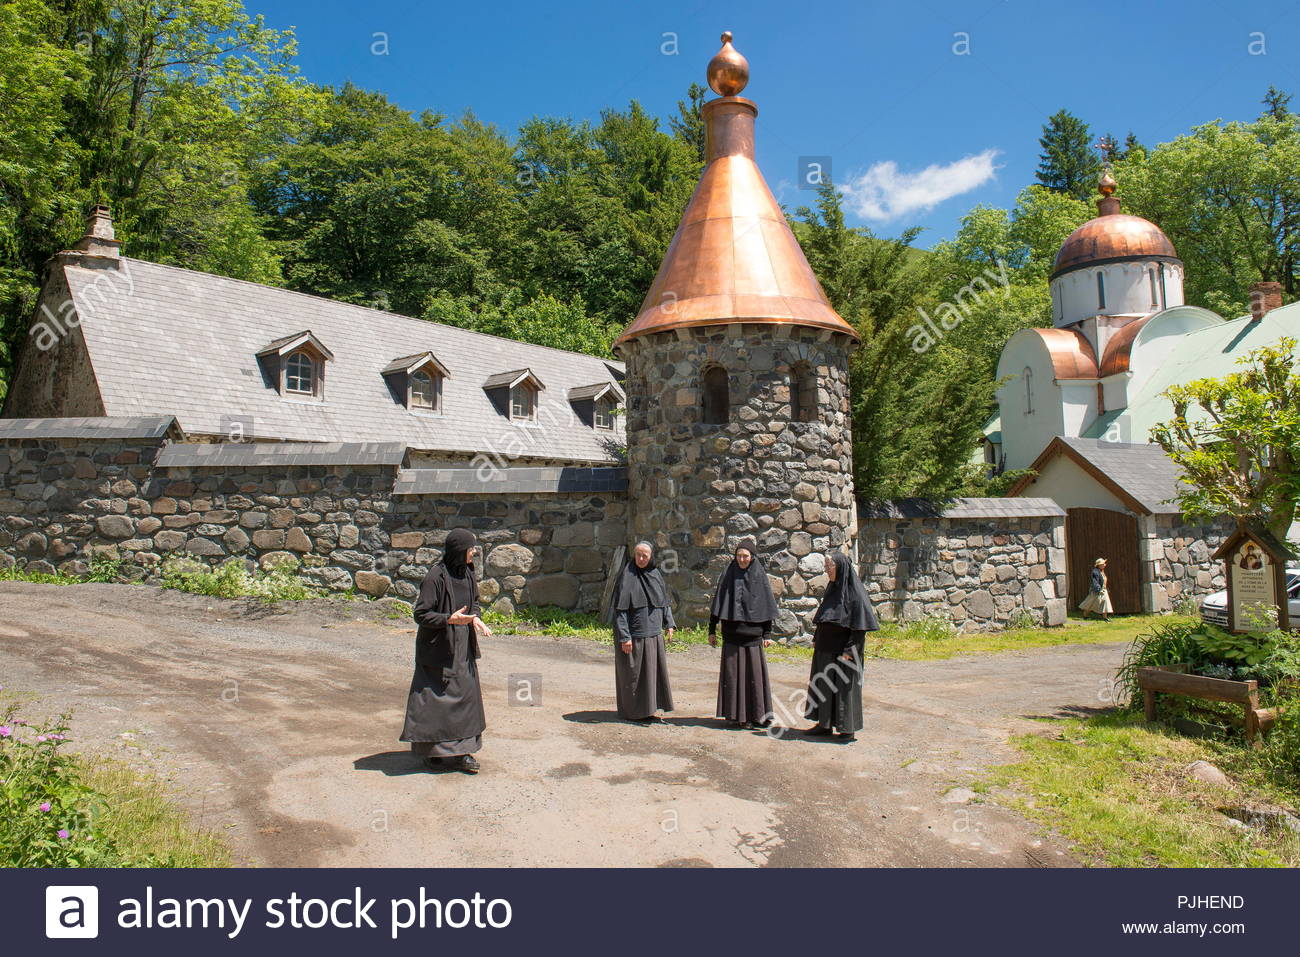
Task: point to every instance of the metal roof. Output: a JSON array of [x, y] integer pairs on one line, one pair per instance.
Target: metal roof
[[963, 508], [463, 481], [280, 454]]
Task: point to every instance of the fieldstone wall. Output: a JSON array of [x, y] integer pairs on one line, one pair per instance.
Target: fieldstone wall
[[63, 502], [976, 573], [1174, 556], [695, 489]]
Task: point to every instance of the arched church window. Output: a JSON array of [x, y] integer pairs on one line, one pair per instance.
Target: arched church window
[[1029, 390], [803, 393], [1151, 279], [715, 396], [1101, 290]]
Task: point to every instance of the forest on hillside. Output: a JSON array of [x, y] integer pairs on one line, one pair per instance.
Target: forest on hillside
[[189, 118]]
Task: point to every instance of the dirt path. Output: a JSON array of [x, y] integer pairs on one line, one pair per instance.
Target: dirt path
[[279, 729]]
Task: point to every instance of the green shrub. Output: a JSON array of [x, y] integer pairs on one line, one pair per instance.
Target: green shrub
[[232, 579], [931, 628], [1021, 619], [1187, 606], [104, 569]]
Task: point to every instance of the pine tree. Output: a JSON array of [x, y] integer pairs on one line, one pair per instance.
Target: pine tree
[[1276, 102], [1067, 163]]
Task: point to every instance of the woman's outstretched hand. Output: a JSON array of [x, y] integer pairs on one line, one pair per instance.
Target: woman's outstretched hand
[[481, 627], [459, 617]]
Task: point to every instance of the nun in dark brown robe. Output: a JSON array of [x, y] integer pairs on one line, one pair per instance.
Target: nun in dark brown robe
[[835, 682], [444, 709], [745, 607], [641, 615]]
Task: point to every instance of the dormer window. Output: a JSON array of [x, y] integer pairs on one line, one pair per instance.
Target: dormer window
[[296, 364], [416, 381], [300, 374], [595, 404], [515, 394]]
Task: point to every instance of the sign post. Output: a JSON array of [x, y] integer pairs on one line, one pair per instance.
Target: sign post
[[1255, 569]]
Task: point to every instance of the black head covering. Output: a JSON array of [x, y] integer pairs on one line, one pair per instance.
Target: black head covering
[[845, 602], [456, 548], [639, 587], [745, 594]]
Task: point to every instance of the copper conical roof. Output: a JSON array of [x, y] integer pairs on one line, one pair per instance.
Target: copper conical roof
[[734, 257]]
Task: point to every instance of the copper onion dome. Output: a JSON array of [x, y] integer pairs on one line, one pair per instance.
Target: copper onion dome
[[1112, 236], [733, 257]]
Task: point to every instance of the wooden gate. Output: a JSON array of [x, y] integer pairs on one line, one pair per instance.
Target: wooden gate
[[1092, 533]]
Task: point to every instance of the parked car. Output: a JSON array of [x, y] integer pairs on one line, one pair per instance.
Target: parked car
[[1214, 609]]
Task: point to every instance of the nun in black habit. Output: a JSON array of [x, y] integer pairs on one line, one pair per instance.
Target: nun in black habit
[[746, 608], [640, 613], [444, 710], [835, 682]]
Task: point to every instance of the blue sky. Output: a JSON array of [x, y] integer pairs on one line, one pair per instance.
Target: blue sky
[[925, 108]]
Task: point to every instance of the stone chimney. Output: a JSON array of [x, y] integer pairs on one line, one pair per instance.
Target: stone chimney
[[1264, 298], [99, 239]]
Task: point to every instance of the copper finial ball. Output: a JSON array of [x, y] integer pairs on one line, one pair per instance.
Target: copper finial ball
[[1107, 185], [728, 71]]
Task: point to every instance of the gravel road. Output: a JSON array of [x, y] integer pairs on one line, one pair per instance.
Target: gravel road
[[277, 726]]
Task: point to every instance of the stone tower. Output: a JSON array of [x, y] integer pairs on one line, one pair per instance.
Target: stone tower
[[738, 386]]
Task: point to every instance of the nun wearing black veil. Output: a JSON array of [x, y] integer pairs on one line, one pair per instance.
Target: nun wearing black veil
[[745, 607], [640, 614], [444, 709], [835, 683]]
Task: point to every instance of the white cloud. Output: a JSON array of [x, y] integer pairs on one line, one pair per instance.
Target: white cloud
[[884, 193]]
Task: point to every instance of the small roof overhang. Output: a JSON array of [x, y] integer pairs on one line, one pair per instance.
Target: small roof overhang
[[415, 363], [282, 347], [508, 380], [594, 392]]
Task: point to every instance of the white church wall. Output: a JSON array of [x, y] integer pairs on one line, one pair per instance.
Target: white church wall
[[1078, 406], [1161, 335], [1063, 481], [1127, 291], [1031, 416]]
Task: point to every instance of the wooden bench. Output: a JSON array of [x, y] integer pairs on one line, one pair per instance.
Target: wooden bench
[[1171, 680]]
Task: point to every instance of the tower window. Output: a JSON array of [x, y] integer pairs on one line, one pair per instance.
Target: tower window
[[1151, 279], [803, 393], [1101, 290], [300, 374], [715, 396], [1029, 390]]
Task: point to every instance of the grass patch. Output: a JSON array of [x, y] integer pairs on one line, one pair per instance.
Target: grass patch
[[1117, 789], [19, 575], [62, 809], [232, 579], [920, 641]]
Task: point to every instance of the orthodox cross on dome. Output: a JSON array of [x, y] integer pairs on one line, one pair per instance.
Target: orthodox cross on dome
[[728, 71]]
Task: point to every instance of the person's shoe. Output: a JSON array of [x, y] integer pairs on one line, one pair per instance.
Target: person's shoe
[[817, 731], [848, 737], [432, 763], [468, 763]]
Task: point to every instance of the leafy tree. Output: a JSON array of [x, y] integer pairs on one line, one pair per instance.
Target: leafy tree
[[1228, 196], [1067, 163], [1239, 449], [688, 124]]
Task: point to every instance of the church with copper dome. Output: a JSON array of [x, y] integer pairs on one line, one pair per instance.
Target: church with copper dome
[[1121, 334]]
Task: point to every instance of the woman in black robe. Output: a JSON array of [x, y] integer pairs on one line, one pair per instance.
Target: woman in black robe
[[641, 616], [444, 709], [835, 682], [746, 608]]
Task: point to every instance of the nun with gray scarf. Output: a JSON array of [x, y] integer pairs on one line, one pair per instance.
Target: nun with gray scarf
[[642, 618]]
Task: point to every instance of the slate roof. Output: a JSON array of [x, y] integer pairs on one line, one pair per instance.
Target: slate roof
[[171, 341], [963, 508], [280, 454], [1138, 473], [103, 427], [464, 481]]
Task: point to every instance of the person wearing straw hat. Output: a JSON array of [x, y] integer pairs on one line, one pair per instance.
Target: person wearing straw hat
[[1098, 600]]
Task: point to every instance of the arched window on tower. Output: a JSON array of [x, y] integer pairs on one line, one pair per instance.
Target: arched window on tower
[[1151, 280], [1101, 290], [715, 396], [803, 393], [1029, 390]]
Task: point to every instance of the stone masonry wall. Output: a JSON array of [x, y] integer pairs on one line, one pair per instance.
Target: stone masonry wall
[[696, 489], [63, 502], [1174, 555], [974, 572]]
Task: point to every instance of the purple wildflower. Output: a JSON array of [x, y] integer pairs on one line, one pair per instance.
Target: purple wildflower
[[63, 834], [40, 737], [45, 806], [5, 730]]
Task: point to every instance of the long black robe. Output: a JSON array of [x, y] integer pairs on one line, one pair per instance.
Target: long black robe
[[640, 612], [745, 607], [843, 619], [444, 709]]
